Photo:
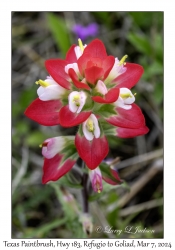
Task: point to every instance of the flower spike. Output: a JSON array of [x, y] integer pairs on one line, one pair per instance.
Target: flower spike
[[93, 90]]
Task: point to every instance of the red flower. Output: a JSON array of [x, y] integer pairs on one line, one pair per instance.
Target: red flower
[[90, 89], [57, 160]]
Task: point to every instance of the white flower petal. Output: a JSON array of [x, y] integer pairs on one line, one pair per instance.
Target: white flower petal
[[54, 146], [125, 98], [73, 66], [76, 106], [101, 87], [120, 103], [51, 81], [40, 90], [82, 101], [96, 126], [78, 51], [130, 99], [96, 130], [88, 135], [72, 105], [115, 71], [49, 77], [92, 173], [51, 92]]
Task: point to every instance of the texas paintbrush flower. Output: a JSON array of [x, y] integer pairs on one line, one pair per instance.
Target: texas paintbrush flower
[[90, 89]]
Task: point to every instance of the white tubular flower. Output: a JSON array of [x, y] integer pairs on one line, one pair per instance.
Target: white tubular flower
[[91, 128], [76, 101], [53, 146], [73, 66], [125, 99], [49, 90], [79, 49], [116, 70], [96, 180], [101, 87]]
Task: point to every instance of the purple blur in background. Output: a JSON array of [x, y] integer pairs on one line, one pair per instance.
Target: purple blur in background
[[84, 32]]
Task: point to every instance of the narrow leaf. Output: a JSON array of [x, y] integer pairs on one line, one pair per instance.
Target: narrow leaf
[[59, 32]]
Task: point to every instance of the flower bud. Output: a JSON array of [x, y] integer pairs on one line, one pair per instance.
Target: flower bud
[[96, 180]]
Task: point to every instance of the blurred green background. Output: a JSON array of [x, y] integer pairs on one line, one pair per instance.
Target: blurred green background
[[39, 211]]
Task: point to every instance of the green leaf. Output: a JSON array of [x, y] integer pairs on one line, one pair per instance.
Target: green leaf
[[107, 128], [140, 42], [147, 19], [69, 150], [104, 17], [39, 232], [143, 19], [105, 110], [158, 46], [59, 31], [69, 210], [155, 68], [66, 182], [95, 196], [114, 141], [158, 93], [88, 104]]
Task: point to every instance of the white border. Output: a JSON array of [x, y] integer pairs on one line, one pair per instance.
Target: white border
[[5, 99]]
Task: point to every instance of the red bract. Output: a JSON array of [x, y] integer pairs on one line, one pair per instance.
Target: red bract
[[57, 158], [53, 169], [91, 89], [45, 113], [131, 118], [92, 152]]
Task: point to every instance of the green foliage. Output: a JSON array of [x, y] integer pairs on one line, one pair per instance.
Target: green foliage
[[70, 210], [145, 19], [69, 151], [140, 42], [113, 141], [59, 31], [42, 231], [105, 110], [68, 180], [103, 17]]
